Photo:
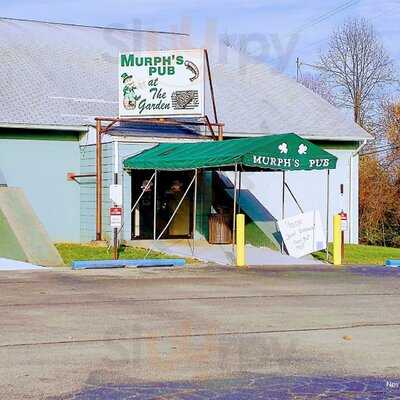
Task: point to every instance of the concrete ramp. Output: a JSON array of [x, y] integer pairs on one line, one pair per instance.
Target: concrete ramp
[[222, 254], [23, 236]]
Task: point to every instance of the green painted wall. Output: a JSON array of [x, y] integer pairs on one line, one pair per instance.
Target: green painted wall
[[38, 162], [88, 191]]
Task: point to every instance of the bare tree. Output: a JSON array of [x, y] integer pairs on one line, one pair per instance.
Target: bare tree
[[315, 83], [388, 135], [356, 66]]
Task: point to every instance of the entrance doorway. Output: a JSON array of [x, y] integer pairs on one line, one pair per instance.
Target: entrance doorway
[[170, 188]]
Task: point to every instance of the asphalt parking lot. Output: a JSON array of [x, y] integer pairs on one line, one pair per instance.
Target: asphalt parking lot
[[201, 333]]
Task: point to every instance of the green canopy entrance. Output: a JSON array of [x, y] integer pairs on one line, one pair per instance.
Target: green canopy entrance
[[283, 152]]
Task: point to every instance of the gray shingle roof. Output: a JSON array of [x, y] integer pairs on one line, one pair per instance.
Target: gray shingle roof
[[67, 75]]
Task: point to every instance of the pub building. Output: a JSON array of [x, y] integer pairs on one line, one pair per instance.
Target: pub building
[[83, 95]]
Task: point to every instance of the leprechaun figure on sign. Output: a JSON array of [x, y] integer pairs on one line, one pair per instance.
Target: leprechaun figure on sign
[[130, 98]]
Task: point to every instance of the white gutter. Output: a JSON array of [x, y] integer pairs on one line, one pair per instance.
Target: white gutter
[[324, 138], [360, 147], [75, 128], [353, 154], [85, 128]]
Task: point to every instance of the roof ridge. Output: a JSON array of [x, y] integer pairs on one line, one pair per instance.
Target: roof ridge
[[94, 26]]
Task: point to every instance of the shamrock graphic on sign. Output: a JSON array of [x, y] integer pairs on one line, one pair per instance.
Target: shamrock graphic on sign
[[283, 148], [302, 149]]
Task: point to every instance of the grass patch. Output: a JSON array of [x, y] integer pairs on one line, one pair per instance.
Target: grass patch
[[74, 252], [362, 254]]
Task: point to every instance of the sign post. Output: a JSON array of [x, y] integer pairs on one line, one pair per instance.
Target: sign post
[[116, 223], [343, 218], [343, 227]]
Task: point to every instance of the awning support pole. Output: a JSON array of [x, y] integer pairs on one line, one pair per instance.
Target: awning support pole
[[327, 212], [173, 214], [155, 206], [137, 201], [234, 214], [240, 189], [283, 194], [294, 198], [283, 203], [194, 209]]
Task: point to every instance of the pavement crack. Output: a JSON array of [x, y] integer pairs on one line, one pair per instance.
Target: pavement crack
[[204, 334], [133, 300]]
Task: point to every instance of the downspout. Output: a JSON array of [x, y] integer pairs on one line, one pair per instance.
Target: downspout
[[354, 154], [360, 147]]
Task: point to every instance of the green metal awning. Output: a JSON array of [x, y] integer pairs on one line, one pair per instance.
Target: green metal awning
[[284, 152]]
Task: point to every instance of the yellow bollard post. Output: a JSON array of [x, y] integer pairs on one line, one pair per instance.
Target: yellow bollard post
[[240, 241], [337, 240]]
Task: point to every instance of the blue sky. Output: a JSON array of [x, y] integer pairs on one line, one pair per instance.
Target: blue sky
[[276, 31]]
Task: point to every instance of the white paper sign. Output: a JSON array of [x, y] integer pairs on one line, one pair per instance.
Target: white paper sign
[[161, 83], [116, 194], [303, 234]]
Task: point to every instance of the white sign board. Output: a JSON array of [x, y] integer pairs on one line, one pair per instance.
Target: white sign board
[[161, 83], [344, 221], [303, 234], [116, 217], [116, 194]]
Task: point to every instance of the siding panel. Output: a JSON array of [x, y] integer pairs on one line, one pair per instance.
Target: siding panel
[[88, 191]]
